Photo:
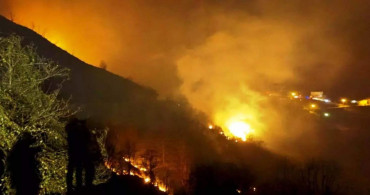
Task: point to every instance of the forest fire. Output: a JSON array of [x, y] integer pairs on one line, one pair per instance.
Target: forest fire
[[238, 126], [138, 171], [235, 130], [218, 103], [240, 129]]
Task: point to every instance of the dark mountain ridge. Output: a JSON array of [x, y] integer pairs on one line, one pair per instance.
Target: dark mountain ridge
[[100, 93]]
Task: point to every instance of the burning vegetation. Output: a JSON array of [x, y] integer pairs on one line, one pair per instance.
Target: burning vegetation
[[225, 120]]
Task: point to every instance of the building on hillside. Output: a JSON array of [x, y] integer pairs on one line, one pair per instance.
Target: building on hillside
[[317, 94], [364, 102]]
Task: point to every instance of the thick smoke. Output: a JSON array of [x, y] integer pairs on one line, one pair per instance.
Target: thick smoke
[[221, 55], [287, 43]]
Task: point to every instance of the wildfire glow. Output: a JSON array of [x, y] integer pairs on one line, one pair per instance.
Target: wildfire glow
[[239, 129], [162, 188], [240, 122], [141, 173]]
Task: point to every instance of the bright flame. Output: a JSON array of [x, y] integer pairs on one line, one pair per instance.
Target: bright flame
[[239, 123], [210, 126], [239, 129], [162, 188], [118, 171]]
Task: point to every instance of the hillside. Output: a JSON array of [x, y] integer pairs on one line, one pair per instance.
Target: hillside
[[99, 93], [189, 156]]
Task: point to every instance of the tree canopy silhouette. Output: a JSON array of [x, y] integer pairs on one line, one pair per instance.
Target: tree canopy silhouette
[[29, 105]]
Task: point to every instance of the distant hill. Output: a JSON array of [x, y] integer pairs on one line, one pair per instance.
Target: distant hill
[[100, 94]]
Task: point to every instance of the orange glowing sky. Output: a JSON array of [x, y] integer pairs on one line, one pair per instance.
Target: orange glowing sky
[[220, 55]]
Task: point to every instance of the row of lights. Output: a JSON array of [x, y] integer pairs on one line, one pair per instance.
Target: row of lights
[[342, 100]]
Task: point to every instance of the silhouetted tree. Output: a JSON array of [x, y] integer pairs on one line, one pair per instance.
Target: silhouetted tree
[[27, 108], [103, 65], [11, 16], [312, 177], [102, 173], [129, 152], [319, 177], [150, 162]]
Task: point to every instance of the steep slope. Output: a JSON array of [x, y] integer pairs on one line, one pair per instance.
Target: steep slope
[[99, 93]]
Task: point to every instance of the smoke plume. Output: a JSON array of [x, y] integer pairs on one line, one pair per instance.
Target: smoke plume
[[222, 56]]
